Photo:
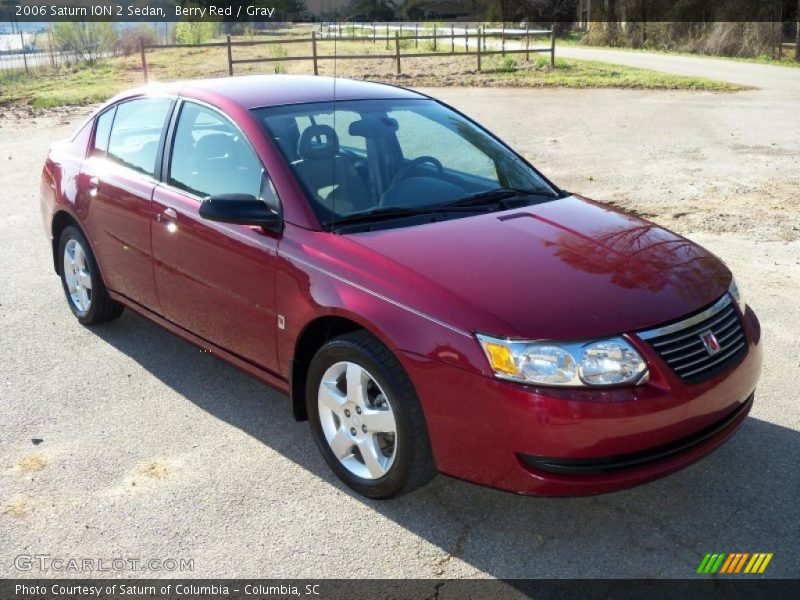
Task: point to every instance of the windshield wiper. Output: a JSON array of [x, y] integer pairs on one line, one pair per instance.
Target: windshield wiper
[[496, 196], [472, 203], [395, 212]]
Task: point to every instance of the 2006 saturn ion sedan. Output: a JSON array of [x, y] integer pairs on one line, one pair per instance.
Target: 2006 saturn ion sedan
[[428, 299]]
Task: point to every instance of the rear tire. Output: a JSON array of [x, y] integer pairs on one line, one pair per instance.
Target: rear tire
[[366, 418], [83, 285]]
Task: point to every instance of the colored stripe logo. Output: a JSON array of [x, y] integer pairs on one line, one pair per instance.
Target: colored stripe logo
[[735, 562]]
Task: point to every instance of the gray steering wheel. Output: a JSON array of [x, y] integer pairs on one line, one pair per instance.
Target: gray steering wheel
[[404, 171]]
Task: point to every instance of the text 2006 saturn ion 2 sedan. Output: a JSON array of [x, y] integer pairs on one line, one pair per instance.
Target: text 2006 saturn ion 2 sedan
[[429, 300]]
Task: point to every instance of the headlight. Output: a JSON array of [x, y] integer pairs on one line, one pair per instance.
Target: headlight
[[734, 291], [596, 363]]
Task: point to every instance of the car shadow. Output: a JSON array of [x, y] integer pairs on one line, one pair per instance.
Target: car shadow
[[742, 498]]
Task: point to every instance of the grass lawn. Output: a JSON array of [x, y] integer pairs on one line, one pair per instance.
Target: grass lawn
[[83, 84]]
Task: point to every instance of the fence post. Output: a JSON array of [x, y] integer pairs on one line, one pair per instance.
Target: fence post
[[24, 54], [434, 38], [144, 60], [466, 36], [553, 47], [387, 35], [527, 42], [452, 39], [374, 32], [416, 35], [314, 51], [503, 40], [397, 50], [230, 57], [479, 48]]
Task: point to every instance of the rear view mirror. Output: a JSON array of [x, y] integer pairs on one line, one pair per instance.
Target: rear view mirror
[[241, 209]]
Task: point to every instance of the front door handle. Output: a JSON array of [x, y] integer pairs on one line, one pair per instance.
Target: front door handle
[[168, 214]]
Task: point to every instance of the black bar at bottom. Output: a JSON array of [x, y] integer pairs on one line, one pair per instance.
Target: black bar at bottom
[[749, 587]]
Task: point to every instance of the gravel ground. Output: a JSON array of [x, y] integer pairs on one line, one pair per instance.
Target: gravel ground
[[151, 449]]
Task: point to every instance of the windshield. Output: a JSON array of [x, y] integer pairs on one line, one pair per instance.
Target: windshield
[[391, 157]]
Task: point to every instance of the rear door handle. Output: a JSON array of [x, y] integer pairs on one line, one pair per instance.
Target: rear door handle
[[94, 185]]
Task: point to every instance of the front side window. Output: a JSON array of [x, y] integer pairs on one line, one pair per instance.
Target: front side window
[[136, 132], [363, 156], [210, 156]]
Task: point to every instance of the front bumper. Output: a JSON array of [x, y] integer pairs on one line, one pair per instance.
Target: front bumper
[[565, 442]]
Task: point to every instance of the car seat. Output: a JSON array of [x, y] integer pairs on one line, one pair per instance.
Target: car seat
[[330, 177]]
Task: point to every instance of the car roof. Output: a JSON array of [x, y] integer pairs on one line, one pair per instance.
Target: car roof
[[256, 91]]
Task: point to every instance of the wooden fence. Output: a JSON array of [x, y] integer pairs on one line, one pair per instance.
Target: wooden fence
[[439, 37]]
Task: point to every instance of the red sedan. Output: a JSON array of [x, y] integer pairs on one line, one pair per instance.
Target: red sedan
[[428, 300]]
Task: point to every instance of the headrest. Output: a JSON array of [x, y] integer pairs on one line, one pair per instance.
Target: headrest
[[318, 141], [214, 146], [374, 127], [286, 134]]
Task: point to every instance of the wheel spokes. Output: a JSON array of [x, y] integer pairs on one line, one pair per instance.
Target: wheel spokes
[[341, 445], [83, 296], [80, 257], [374, 461], [84, 279], [331, 397], [379, 421], [356, 384]]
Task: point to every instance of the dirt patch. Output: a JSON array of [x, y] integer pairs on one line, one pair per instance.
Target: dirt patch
[[153, 469], [772, 213], [32, 463], [12, 117], [18, 509]]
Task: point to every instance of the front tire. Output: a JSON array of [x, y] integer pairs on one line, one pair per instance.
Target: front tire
[[86, 293], [366, 418]]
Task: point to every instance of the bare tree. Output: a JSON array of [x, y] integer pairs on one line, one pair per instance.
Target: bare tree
[[612, 25], [797, 38]]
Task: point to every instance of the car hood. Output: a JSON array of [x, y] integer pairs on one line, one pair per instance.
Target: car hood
[[566, 269]]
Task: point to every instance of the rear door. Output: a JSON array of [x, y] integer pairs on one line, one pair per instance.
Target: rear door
[[216, 280], [118, 179]]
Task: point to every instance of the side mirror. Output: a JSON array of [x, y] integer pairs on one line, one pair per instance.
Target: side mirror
[[241, 209]]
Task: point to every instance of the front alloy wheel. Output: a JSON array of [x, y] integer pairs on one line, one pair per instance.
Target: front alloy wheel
[[366, 418], [357, 420]]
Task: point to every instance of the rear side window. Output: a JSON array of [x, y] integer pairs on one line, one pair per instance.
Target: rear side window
[[136, 132], [210, 156], [102, 131]]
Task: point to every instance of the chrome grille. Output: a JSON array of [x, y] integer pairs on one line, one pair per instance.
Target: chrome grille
[[683, 348]]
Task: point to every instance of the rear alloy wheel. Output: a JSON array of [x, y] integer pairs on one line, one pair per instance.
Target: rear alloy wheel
[[77, 277], [86, 294], [366, 417]]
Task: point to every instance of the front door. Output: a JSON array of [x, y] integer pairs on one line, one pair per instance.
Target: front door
[[214, 279]]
